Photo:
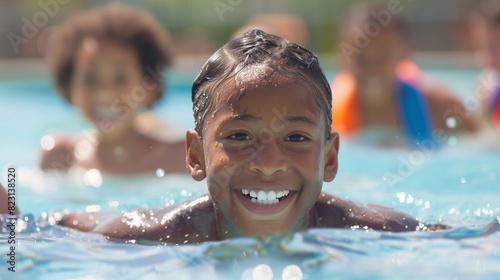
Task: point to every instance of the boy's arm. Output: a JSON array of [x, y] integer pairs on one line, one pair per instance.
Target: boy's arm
[[186, 222], [340, 213], [83, 221]]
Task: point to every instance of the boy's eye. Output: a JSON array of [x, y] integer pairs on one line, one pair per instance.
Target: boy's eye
[[239, 136], [296, 138]]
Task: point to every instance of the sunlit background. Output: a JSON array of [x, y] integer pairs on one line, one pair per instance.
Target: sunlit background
[[201, 26]]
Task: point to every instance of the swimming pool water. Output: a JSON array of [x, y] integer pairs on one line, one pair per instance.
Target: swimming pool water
[[458, 185]]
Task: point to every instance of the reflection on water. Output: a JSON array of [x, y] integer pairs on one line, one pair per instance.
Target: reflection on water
[[52, 252]]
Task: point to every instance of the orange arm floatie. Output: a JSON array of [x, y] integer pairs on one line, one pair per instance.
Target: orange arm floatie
[[346, 115]]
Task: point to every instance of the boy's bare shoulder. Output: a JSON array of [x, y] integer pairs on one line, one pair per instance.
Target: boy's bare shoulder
[[186, 222], [340, 213], [60, 156]]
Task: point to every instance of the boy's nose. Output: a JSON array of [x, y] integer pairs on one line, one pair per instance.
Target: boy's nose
[[107, 94], [268, 159]]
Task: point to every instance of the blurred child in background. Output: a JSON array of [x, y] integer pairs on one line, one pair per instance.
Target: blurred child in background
[[108, 62], [382, 97]]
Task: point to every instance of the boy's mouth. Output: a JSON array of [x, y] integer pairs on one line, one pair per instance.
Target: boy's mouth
[[106, 113], [265, 197]]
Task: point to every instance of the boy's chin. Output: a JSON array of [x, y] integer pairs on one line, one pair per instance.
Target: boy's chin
[[259, 228]]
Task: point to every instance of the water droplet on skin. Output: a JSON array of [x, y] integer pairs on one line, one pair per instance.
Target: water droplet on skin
[[160, 173], [451, 122]]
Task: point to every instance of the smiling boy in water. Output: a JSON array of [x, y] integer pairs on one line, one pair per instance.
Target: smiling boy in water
[[263, 143]]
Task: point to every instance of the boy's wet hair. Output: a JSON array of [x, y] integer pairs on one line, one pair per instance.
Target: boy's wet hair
[[254, 48], [125, 24]]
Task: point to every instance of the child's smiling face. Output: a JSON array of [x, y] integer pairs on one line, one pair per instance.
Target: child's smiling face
[[264, 153], [106, 85]]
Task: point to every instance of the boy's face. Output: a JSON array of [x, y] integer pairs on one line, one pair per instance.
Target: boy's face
[[264, 153], [106, 86]]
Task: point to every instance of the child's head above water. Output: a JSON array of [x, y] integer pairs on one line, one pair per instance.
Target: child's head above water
[[262, 107], [108, 63], [373, 41], [114, 29], [256, 57]]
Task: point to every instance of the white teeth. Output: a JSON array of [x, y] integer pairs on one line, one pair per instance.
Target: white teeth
[[262, 197], [271, 195], [253, 194]]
